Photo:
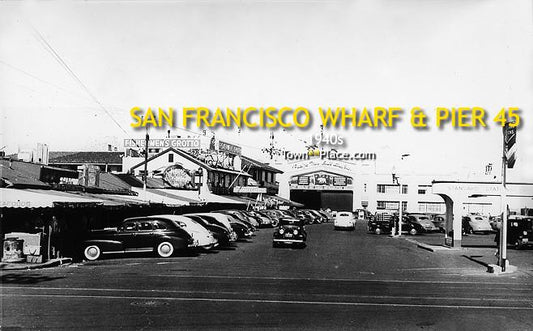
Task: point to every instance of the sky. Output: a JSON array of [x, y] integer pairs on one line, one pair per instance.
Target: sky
[[314, 54]]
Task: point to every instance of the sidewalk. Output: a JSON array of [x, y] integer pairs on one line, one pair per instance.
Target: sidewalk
[[29, 266], [476, 248]]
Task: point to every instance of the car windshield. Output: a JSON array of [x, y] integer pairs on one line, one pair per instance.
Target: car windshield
[[289, 221]]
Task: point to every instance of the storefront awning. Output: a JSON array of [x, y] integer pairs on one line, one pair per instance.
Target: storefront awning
[[152, 196], [283, 201], [116, 200], [32, 198], [193, 198], [185, 195]]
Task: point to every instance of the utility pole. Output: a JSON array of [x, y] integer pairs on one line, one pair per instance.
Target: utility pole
[[145, 175], [508, 159]]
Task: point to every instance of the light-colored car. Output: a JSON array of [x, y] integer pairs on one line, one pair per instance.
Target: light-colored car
[[476, 223], [202, 237], [344, 220], [223, 220]]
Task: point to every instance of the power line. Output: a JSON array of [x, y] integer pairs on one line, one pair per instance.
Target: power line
[[65, 66]]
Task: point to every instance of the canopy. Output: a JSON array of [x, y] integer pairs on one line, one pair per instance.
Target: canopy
[[153, 197], [283, 201], [32, 198]]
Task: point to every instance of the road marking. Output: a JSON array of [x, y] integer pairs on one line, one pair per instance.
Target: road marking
[[297, 302], [341, 279], [261, 293]]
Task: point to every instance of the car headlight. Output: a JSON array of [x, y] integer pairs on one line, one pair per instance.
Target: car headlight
[[295, 232], [281, 231]]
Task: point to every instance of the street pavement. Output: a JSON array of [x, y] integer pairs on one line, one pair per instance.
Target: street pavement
[[341, 280]]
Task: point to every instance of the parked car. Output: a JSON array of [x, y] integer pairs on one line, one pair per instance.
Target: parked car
[[473, 223], [380, 223], [221, 234], [202, 237], [319, 218], [140, 234], [344, 220], [328, 216], [439, 220], [242, 229], [302, 215], [241, 217], [262, 220], [424, 221], [520, 231], [273, 214], [290, 231]]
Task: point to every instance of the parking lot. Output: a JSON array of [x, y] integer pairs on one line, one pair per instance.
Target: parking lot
[[342, 279]]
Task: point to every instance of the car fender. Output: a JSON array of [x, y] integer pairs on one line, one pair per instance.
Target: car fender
[[105, 245], [177, 242]]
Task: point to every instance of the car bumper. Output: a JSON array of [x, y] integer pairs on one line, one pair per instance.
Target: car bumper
[[289, 241], [345, 226]]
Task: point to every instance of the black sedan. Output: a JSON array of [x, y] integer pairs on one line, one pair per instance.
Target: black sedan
[[136, 235], [290, 231]]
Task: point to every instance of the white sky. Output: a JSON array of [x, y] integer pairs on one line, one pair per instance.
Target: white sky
[[259, 53]]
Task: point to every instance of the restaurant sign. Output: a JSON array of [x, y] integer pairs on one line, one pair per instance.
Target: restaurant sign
[[225, 147], [321, 180], [179, 177]]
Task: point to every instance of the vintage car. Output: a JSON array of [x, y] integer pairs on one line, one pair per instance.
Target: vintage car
[[328, 216], [242, 229], [220, 232], [236, 214], [473, 223], [318, 216], [439, 220], [273, 214], [424, 221], [140, 234], [263, 220], [380, 223], [520, 231], [290, 231], [344, 221]]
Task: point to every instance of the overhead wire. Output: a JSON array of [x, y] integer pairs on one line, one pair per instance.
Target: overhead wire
[[65, 66]]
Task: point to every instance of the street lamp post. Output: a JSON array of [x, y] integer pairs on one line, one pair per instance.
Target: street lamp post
[[397, 229], [198, 175]]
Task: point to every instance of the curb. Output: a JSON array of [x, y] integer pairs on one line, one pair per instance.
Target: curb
[[497, 270], [48, 264], [431, 248]]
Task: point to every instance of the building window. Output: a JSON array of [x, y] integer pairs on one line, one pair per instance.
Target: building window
[[388, 205], [170, 158], [381, 188], [404, 205], [431, 207], [404, 189], [423, 189]]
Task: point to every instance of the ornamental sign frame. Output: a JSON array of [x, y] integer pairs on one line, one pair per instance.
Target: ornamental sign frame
[[179, 177], [321, 180]]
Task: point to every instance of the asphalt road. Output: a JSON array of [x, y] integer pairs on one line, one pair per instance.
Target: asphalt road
[[342, 280]]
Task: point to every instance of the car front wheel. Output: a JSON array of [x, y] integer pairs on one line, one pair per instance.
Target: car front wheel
[[92, 252], [377, 231], [413, 232], [165, 249]]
